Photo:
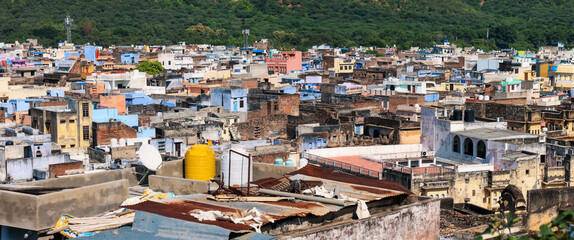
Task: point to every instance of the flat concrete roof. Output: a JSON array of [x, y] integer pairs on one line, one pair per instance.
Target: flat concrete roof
[[494, 134]]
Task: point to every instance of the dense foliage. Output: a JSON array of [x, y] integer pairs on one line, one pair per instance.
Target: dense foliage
[[152, 68], [523, 24]]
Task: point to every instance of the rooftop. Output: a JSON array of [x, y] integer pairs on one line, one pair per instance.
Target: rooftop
[[494, 134]]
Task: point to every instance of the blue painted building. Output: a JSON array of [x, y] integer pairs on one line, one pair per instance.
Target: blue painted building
[[312, 141], [233, 100], [146, 132], [19, 105], [55, 93], [138, 98], [130, 58], [90, 53], [111, 114], [69, 54]]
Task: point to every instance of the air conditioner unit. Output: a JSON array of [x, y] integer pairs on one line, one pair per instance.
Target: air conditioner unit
[[542, 139]]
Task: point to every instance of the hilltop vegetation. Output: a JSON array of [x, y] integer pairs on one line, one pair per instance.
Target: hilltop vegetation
[[523, 24]]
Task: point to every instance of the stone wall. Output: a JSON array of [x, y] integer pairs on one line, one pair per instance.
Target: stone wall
[[273, 126]]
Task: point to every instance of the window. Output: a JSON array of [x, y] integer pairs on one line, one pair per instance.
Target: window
[[481, 149], [85, 109], [527, 171], [456, 144], [473, 193], [72, 121], [63, 121], [86, 132], [276, 106], [468, 148], [241, 104]]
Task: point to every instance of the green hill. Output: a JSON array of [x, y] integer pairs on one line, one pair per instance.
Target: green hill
[[289, 23]]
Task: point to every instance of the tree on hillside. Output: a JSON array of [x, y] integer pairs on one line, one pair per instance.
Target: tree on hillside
[[151, 68], [88, 28]]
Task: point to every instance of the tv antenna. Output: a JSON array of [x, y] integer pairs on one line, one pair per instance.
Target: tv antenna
[[68, 23]]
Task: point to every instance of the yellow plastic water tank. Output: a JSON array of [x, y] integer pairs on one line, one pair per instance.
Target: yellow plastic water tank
[[199, 163]]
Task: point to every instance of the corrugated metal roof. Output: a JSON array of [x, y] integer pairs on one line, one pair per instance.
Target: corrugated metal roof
[[320, 172], [348, 185]]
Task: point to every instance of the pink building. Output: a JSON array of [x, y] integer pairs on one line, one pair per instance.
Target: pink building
[[285, 62]]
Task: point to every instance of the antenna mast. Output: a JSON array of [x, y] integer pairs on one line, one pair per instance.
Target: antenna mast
[[245, 37], [68, 23]]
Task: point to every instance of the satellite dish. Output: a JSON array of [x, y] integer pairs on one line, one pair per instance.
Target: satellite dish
[[150, 157]]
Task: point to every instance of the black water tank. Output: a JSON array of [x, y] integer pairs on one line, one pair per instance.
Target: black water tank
[[457, 115], [469, 115], [9, 143]]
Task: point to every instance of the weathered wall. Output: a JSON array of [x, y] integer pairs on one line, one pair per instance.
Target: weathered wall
[[264, 170], [87, 179], [543, 205], [39, 212], [80, 202], [272, 126], [114, 101], [126, 152], [415, 221], [179, 186], [171, 169], [18, 209]]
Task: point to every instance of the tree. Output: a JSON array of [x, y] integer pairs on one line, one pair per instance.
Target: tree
[[88, 28], [151, 68]]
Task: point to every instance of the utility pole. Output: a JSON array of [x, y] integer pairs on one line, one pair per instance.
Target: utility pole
[[68, 23]]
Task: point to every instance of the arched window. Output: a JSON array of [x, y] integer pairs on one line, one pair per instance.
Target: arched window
[[456, 144], [481, 149], [468, 148]]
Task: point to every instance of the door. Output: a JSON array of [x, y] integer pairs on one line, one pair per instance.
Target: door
[[178, 149]]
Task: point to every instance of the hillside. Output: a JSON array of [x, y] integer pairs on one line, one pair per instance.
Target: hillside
[[291, 23]]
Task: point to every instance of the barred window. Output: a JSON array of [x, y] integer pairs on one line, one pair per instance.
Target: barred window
[[85, 109], [86, 132]]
